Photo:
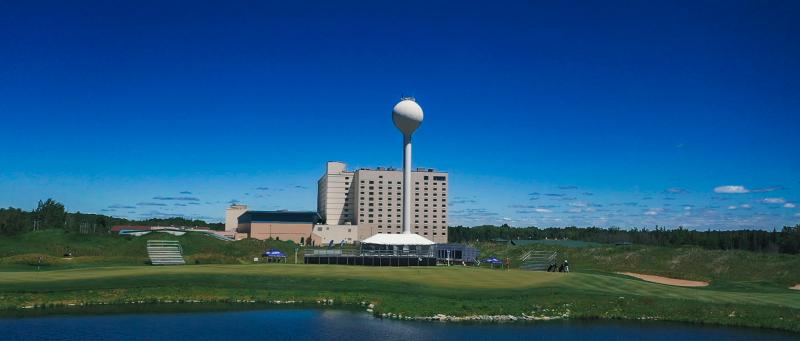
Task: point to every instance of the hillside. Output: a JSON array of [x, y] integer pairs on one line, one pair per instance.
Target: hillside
[[721, 267], [25, 249]]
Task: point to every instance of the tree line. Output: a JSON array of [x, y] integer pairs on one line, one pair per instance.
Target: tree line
[[50, 214], [787, 240]]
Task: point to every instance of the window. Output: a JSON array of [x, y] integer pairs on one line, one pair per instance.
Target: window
[[438, 178]]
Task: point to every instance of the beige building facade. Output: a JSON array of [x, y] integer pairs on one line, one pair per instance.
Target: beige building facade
[[335, 195], [232, 214], [278, 225], [323, 234], [374, 201]]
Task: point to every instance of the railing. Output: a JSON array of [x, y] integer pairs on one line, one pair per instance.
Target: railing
[[165, 252], [367, 253], [538, 260]]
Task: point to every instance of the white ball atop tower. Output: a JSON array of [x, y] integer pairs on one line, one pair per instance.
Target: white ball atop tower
[[407, 116]]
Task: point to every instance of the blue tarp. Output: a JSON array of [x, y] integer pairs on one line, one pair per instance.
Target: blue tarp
[[492, 260], [274, 253]]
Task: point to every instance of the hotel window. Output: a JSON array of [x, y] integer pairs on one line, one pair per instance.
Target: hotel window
[[425, 177], [370, 221], [438, 178], [371, 182]]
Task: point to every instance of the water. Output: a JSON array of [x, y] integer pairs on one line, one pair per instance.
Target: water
[[315, 324]]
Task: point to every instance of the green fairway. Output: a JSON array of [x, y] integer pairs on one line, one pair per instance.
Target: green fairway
[[410, 291]]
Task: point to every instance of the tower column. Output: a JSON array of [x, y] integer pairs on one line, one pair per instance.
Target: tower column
[[406, 183]]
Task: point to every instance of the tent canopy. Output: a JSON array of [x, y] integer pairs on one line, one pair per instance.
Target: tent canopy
[[397, 239], [274, 253]]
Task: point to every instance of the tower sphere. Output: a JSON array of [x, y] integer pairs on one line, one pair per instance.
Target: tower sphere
[[407, 116]]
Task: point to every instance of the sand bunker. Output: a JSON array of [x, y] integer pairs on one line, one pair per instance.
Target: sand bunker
[[795, 287], [666, 280]]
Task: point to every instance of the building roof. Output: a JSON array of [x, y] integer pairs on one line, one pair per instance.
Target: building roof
[[280, 217], [397, 239]]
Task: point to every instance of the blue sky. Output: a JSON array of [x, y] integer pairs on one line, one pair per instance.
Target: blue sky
[[628, 114]]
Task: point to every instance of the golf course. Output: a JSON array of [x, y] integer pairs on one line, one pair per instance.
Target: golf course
[[113, 270]]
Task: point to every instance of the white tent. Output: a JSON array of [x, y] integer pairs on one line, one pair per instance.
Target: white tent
[[397, 239]]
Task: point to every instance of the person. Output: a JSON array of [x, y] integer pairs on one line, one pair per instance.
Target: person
[[566, 266], [561, 268]]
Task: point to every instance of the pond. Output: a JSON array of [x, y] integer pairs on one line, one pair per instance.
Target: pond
[[324, 324]]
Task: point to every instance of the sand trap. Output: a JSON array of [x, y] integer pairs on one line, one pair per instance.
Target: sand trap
[[795, 287], [666, 280]]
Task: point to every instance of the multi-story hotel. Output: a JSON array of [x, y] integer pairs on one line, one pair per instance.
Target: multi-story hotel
[[373, 200]]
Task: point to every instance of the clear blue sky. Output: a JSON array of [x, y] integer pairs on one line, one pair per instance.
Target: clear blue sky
[[629, 113]]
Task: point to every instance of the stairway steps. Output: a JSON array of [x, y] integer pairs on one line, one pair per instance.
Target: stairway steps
[[165, 252]]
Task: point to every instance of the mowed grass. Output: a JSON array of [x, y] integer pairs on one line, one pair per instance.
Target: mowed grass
[[453, 277], [422, 280]]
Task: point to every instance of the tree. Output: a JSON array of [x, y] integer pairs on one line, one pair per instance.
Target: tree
[[50, 214]]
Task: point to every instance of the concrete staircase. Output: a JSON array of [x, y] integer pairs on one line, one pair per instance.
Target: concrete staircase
[[537, 260], [165, 252]]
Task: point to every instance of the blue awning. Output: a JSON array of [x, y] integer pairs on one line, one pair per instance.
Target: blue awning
[[274, 253]]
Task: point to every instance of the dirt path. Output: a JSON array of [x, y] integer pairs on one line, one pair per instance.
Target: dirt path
[[666, 280], [795, 287]]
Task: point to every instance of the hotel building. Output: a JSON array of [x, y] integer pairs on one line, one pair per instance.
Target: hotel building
[[372, 199]]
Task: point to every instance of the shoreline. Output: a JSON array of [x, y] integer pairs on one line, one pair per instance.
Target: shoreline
[[233, 305]]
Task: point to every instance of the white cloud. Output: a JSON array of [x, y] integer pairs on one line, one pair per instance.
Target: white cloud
[[653, 211], [745, 206], [543, 210], [789, 205], [687, 208], [773, 200], [731, 189], [732, 207]]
